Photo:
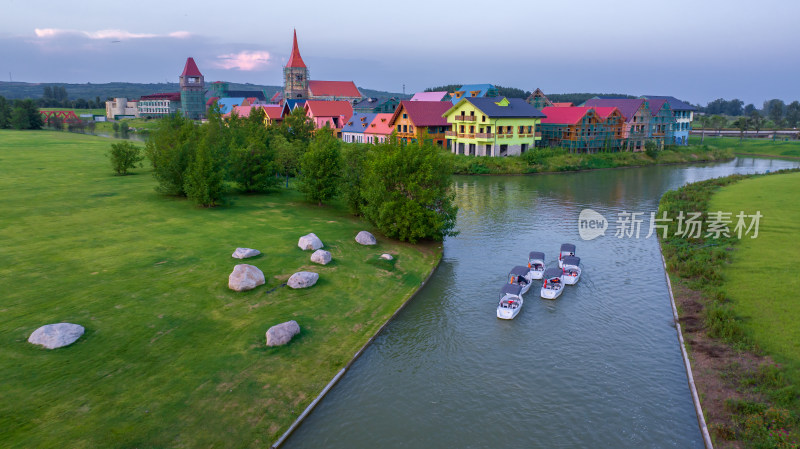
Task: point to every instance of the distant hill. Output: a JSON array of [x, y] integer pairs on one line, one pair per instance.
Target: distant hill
[[578, 98], [20, 90]]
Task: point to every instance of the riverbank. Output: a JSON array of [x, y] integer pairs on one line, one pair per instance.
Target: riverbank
[[784, 149], [547, 160], [171, 357], [742, 339]]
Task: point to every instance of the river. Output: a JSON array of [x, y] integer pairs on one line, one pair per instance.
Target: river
[[600, 367]]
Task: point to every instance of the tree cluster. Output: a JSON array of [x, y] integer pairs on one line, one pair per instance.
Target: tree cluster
[[21, 114], [57, 97]]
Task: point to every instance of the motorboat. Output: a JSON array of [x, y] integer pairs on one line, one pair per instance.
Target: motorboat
[[553, 284], [510, 301], [536, 264], [567, 249], [572, 270], [522, 276]]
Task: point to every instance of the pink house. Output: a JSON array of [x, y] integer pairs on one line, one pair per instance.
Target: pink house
[[429, 96], [334, 114], [380, 129]]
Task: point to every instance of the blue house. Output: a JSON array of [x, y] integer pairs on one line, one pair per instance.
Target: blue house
[[353, 130], [684, 114], [473, 91]]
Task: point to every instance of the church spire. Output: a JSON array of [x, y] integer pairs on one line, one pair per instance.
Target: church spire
[[295, 60]]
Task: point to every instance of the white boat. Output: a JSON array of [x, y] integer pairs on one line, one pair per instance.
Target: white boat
[[510, 301], [522, 276], [536, 264], [567, 249], [572, 270], [553, 284]]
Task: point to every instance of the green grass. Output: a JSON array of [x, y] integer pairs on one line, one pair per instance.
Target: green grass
[[171, 357], [755, 147], [544, 160], [773, 315]]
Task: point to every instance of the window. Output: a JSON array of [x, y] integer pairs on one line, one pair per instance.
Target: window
[[530, 129], [405, 115], [520, 130], [509, 130], [405, 128], [483, 118], [398, 128], [461, 129], [471, 129]]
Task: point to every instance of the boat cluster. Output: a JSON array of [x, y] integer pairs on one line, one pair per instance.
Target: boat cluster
[[520, 279]]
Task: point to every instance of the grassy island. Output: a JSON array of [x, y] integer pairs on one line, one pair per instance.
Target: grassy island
[[739, 311], [171, 357]]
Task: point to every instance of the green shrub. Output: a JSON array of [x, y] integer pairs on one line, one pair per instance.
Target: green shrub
[[321, 167], [253, 168], [124, 156]]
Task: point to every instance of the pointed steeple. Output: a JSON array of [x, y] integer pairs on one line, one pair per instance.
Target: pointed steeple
[[190, 69], [295, 60]]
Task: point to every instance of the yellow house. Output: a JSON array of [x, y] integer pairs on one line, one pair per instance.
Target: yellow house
[[493, 126]]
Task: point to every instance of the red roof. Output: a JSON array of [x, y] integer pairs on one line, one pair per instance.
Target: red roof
[[333, 89], [321, 108], [563, 105], [564, 115], [172, 96], [211, 100], [423, 113], [190, 69], [380, 125], [295, 60], [274, 112]]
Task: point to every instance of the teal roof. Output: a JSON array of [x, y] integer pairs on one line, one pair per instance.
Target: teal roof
[[467, 88]]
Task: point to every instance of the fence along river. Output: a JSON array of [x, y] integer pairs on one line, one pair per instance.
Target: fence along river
[[598, 367]]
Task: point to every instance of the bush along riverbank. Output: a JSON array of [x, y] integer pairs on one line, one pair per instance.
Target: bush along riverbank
[[546, 160], [748, 399]]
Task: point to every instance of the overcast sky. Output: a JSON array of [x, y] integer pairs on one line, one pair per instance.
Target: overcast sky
[[696, 50]]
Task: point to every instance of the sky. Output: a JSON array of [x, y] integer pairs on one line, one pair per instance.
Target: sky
[[695, 50]]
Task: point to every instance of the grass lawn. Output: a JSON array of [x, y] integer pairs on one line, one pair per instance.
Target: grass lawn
[[762, 280], [171, 357], [762, 147]]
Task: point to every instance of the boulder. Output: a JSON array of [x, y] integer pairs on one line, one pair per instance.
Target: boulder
[[245, 277], [365, 238], [53, 336], [280, 334], [310, 242], [321, 256], [244, 253], [303, 279], [386, 256]]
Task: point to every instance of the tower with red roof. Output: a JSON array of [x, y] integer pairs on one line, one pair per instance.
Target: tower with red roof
[[295, 75], [193, 102]]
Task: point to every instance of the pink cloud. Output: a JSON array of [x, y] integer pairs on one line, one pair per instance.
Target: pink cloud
[[244, 60]]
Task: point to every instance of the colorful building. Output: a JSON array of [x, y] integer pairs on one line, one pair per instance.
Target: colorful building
[[353, 131], [493, 126], [684, 115], [636, 112], [662, 123], [298, 85], [414, 118], [377, 105], [473, 91], [431, 96], [122, 108], [539, 100], [333, 114], [582, 129], [159, 105], [193, 91], [380, 129]]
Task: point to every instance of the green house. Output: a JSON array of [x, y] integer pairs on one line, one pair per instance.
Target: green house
[[492, 126]]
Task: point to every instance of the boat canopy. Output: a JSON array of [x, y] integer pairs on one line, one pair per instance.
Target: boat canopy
[[567, 248], [552, 272], [571, 260], [535, 255], [513, 289], [519, 270]]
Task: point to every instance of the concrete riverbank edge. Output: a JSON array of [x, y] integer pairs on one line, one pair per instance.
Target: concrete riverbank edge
[[701, 420], [341, 372]]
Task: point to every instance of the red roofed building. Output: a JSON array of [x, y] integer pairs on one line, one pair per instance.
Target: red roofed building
[[297, 85], [272, 113], [159, 105], [412, 118], [380, 129], [333, 114], [582, 129]]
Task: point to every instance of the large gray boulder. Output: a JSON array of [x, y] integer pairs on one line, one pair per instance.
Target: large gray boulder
[[53, 336], [365, 238], [244, 253], [303, 279], [321, 256], [310, 242], [245, 277], [280, 334]]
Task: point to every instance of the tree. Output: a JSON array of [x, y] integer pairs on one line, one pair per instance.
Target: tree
[[253, 167], [57, 123], [169, 148], [5, 113], [204, 178], [287, 156], [25, 115], [757, 121], [124, 129], [321, 167], [718, 122], [774, 109], [749, 109], [743, 123], [124, 156], [354, 159], [408, 191], [792, 114], [297, 126]]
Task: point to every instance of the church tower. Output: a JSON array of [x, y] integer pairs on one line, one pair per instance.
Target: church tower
[[193, 101], [295, 75]]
